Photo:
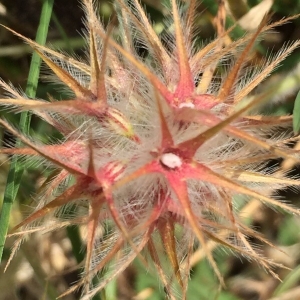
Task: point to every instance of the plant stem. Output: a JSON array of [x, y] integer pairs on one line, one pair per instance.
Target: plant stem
[[16, 170]]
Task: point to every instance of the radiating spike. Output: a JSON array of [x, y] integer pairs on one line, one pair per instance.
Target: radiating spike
[[75, 63], [226, 88], [80, 91], [142, 68], [186, 84]]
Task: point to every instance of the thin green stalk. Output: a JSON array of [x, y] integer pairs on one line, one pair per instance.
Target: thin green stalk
[[62, 32], [74, 236], [16, 170], [212, 7]]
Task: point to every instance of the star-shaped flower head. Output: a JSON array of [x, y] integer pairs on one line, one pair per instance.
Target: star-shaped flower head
[[155, 149]]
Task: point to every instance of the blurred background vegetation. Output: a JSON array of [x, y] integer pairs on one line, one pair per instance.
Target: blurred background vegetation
[[45, 265]]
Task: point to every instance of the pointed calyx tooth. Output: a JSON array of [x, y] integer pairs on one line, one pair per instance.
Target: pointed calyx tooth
[[171, 160], [120, 123]]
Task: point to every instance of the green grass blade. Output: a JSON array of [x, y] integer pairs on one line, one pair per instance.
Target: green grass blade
[[78, 252], [16, 171], [296, 115], [291, 280], [62, 32], [74, 237]]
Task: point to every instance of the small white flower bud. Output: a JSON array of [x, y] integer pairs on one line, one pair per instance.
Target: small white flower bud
[[171, 160], [186, 104]]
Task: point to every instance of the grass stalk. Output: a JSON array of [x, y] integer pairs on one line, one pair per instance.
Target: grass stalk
[[16, 170]]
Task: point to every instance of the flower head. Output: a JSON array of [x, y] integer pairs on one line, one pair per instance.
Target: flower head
[[156, 148]]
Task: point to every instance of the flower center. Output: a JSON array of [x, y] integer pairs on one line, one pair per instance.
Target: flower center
[[186, 104], [171, 160]]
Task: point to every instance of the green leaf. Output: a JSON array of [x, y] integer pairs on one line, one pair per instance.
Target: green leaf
[[288, 231], [16, 170], [289, 281], [296, 114]]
